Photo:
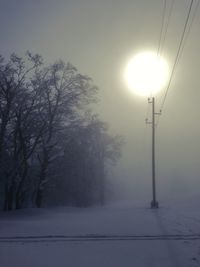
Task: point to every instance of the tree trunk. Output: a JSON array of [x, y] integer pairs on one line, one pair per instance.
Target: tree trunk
[[20, 194], [42, 178]]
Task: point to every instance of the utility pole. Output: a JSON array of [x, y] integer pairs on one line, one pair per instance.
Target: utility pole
[[154, 202]]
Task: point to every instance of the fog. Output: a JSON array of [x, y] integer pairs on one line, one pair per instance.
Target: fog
[[98, 37]]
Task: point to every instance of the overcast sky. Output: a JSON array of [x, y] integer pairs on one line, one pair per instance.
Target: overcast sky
[[98, 37]]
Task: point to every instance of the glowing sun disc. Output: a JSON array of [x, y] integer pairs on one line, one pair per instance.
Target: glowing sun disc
[[146, 73]]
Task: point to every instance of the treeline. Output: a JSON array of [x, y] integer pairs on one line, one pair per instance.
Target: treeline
[[52, 149]]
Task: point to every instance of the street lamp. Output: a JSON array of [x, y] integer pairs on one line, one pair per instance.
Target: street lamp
[[146, 74]]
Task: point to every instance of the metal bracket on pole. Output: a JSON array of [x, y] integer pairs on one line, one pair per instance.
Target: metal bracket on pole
[[147, 121]]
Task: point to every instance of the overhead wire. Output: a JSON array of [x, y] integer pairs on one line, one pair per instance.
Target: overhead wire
[[159, 43], [177, 56], [162, 27], [158, 51], [185, 35], [189, 27], [164, 31], [164, 40], [167, 26]]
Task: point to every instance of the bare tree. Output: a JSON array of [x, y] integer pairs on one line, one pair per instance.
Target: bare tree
[[13, 87], [63, 93], [43, 122]]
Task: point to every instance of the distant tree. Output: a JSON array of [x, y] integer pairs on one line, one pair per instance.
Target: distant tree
[[89, 150]]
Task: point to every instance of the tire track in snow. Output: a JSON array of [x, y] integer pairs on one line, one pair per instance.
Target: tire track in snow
[[86, 238]]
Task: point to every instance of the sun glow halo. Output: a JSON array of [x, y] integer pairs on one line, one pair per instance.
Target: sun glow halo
[[146, 73]]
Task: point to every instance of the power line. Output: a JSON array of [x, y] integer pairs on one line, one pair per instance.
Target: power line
[[189, 28], [167, 25], [162, 26], [177, 57], [159, 45], [162, 35]]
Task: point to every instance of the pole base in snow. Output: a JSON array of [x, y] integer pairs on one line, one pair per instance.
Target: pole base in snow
[[154, 205]]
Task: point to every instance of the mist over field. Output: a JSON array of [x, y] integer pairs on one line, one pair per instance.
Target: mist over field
[[77, 141]]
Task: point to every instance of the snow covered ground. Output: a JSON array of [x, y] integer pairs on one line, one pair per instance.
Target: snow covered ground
[[123, 234]]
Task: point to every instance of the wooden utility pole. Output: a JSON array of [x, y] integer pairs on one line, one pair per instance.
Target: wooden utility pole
[[154, 202]]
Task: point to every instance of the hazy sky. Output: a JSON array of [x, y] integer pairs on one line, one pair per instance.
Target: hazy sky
[[98, 37]]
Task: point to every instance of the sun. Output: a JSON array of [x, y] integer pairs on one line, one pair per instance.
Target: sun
[[146, 73]]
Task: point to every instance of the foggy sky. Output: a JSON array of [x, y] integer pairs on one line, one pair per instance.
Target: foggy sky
[[98, 37]]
